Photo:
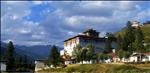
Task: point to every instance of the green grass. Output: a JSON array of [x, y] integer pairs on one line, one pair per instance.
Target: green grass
[[102, 68], [128, 69]]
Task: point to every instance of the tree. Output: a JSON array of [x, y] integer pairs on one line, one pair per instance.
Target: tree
[[104, 56], [138, 43], [10, 56], [77, 53], [130, 33], [25, 61], [120, 53], [125, 43], [119, 42], [90, 52], [108, 34], [147, 48], [54, 56], [107, 45], [127, 54], [19, 61], [129, 37], [84, 55]]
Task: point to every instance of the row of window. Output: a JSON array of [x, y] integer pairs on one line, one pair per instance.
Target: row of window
[[70, 42]]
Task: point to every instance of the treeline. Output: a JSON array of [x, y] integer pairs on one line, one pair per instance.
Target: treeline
[[16, 62]]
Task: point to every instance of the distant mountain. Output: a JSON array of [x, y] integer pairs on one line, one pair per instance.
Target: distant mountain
[[32, 52], [17, 52], [37, 51]]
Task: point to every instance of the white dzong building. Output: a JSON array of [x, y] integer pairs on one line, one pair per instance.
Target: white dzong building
[[90, 36], [135, 24]]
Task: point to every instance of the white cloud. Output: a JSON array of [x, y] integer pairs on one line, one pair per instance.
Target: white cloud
[[71, 33], [14, 17], [25, 31], [141, 15], [92, 4], [37, 2], [37, 36], [66, 20], [73, 21]]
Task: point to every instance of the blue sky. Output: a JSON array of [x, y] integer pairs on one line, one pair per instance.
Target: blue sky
[[51, 22]]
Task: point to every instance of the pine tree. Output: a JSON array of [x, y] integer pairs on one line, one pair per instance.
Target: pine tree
[[138, 43], [127, 41], [129, 37], [25, 62], [10, 56], [54, 56], [130, 33], [19, 62]]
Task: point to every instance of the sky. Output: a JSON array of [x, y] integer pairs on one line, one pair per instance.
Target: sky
[[52, 22]]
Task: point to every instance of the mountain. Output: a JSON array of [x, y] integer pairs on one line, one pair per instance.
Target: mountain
[[37, 51], [17, 52], [32, 52]]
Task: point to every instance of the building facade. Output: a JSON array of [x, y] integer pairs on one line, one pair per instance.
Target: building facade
[[90, 36], [140, 57], [41, 64]]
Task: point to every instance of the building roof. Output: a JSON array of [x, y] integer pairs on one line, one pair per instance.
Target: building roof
[[43, 60], [147, 53], [90, 30], [138, 54], [90, 37]]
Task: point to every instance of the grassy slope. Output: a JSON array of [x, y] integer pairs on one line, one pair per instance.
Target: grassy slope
[[145, 29], [102, 68]]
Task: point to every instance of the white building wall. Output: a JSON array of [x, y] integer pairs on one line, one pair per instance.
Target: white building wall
[[97, 44], [69, 48], [39, 65], [133, 59], [148, 57], [68, 62], [62, 52], [3, 67]]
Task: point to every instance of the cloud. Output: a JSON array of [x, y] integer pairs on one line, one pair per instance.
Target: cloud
[[51, 22]]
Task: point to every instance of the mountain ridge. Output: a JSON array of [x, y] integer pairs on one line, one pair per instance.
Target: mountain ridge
[[32, 52]]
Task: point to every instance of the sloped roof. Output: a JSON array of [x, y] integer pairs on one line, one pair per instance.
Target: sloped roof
[[90, 37]]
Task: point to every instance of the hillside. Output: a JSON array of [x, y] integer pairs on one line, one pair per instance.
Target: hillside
[[145, 29]]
